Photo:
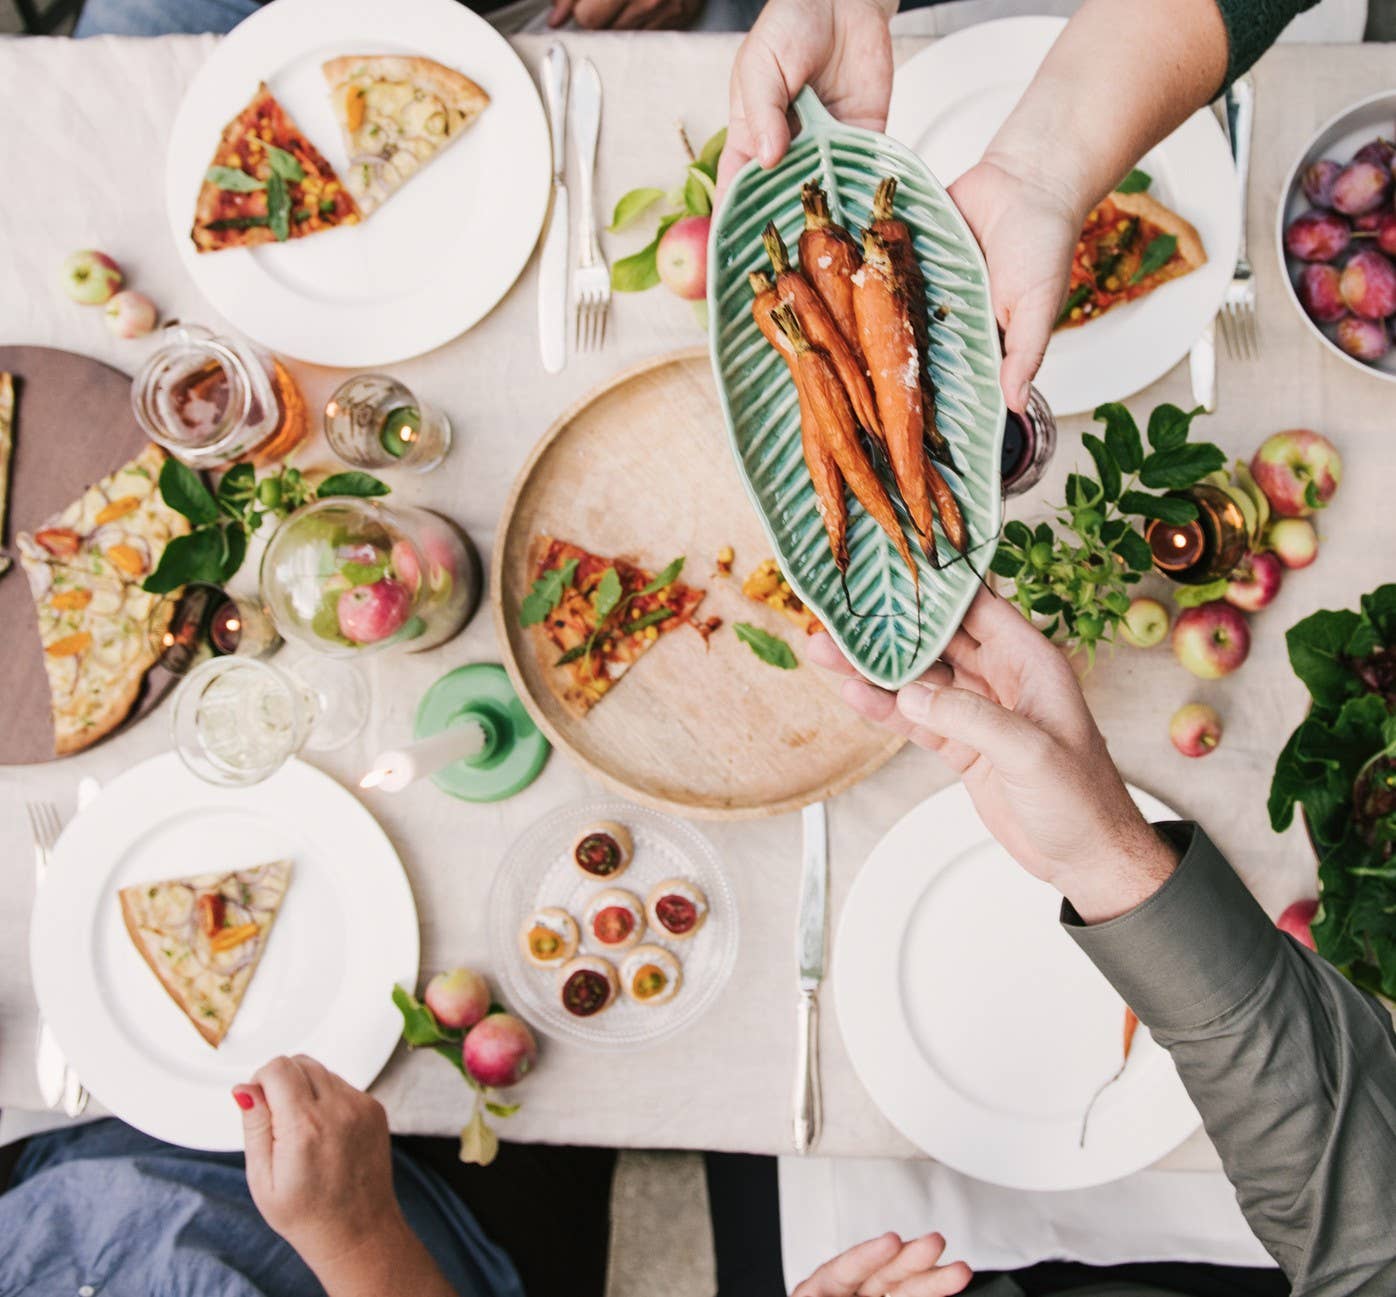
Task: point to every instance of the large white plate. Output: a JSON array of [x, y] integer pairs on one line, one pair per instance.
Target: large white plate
[[346, 932], [432, 260], [949, 100], [979, 1027]]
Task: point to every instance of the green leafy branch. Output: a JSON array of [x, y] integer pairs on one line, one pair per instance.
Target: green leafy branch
[[1078, 573], [224, 519]]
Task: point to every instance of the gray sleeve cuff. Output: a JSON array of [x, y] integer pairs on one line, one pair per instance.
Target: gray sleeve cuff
[[1190, 952]]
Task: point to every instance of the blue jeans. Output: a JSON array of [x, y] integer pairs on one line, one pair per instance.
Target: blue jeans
[[161, 17]]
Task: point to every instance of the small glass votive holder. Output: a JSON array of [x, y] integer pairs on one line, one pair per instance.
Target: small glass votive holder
[[373, 421], [203, 621], [1028, 445]]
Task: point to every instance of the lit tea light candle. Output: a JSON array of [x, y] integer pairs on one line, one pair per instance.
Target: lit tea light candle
[[1176, 548], [398, 767]]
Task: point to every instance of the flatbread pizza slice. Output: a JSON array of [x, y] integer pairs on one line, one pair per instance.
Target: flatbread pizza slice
[[397, 113], [1131, 245], [583, 663], [267, 183], [204, 936], [7, 432]]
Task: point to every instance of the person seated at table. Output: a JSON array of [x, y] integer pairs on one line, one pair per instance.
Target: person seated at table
[[1122, 75]]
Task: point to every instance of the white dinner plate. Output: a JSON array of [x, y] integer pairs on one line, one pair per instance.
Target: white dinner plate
[[438, 255], [979, 1027], [346, 932], [948, 102]]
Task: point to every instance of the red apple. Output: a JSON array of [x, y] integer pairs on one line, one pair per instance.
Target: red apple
[[369, 613], [682, 257], [131, 314], [1254, 582], [1294, 541], [459, 999], [90, 277], [1298, 470], [1195, 729], [1296, 921], [1145, 624], [1212, 640], [499, 1051]]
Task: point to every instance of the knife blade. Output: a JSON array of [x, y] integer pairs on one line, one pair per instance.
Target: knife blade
[[552, 266], [1202, 367], [810, 933]]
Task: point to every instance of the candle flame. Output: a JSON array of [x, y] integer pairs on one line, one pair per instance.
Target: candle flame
[[234, 624], [167, 639], [332, 409], [1180, 541], [375, 777]]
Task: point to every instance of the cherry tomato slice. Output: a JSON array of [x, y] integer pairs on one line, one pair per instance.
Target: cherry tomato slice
[[599, 854], [585, 992], [613, 925], [676, 913]]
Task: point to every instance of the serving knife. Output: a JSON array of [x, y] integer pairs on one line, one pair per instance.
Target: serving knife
[[552, 267], [1202, 368], [809, 955]]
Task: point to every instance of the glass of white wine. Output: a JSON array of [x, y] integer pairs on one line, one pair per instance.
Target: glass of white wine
[[237, 720]]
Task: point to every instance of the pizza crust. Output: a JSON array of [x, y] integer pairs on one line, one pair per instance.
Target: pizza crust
[[1148, 208], [142, 944]]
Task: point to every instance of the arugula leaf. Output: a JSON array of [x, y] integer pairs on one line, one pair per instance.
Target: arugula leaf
[[771, 649], [419, 1025], [284, 165], [1121, 435], [646, 620], [1156, 255], [184, 491], [1180, 466], [608, 594], [546, 593], [1078, 297], [278, 207], [632, 206], [238, 223], [1136, 182], [1166, 508], [667, 577], [576, 651], [234, 181], [362, 485], [199, 556]]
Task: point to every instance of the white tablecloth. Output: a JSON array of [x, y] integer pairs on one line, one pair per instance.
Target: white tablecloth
[[85, 169]]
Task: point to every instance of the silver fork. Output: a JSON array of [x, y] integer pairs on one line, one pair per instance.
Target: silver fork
[[591, 281], [58, 1083], [1238, 318]]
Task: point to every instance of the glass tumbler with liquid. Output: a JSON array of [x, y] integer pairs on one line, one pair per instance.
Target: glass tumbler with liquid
[[211, 401], [373, 421]]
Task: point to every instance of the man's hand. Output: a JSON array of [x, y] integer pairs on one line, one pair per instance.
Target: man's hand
[[887, 1267], [1004, 709], [626, 15], [839, 47]]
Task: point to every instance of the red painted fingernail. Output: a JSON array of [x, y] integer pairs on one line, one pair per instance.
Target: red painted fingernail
[[243, 1100]]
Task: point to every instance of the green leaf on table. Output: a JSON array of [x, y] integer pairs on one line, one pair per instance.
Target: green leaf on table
[[450, 1050], [546, 593], [771, 649], [1379, 608], [1166, 508], [1134, 549], [1081, 491], [1121, 435], [234, 181], [278, 208], [502, 1109], [1156, 255], [711, 151], [1194, 596], [1018, 533], [1319, 650], [1135, 183], [479, 1145], [199, 556], [699, 191], [234, 550], [632, 206], [1007, 561], [362, 485], [607, 595], [1168, 426], [184, 491], [419, 1025], [700, 312], [1105, 465], [667, 577], [284, 165], [1170, 470], [637, 272]]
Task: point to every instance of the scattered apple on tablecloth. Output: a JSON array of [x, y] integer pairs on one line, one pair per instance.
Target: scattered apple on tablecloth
[[90, 277], [1195, 729]]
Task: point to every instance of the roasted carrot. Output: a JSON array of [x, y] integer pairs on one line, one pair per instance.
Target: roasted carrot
[[829, 258], [896, 235], [823, 470], [884, 329], [952, 520], [829, 407], [819, 327]]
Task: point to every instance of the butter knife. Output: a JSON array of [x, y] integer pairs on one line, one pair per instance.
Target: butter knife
[[552, 267], [809, 954], [1202, 368]]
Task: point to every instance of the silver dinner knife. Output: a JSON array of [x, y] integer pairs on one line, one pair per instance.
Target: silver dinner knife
[[1202, 368], [809, 954], [552, 268]]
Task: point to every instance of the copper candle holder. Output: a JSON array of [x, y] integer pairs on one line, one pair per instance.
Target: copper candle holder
[[1206, 549]]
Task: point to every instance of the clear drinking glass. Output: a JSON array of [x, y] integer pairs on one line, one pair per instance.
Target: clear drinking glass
[[373, 421], [200, 621], [238, 720]]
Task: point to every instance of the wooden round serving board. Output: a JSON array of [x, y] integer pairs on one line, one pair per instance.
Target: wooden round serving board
[[73, 425], [641, 470]]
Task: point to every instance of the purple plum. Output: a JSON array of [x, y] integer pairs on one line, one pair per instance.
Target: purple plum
[[1320, 294], [1378, 152], [1364, 339], [1368, 222], [1317, 236], [1368, 285], [1385, 230], [1317, 181], [1361, 187]]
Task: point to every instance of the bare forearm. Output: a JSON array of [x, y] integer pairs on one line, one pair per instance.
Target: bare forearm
[[392, 1261], [1122, 75]]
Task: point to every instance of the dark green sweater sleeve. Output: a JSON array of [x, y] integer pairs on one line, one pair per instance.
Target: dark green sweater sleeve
[[1252, 26], [1292, 1068]]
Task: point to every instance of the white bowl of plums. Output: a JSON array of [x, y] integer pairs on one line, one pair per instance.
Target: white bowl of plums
[[1337, 234]]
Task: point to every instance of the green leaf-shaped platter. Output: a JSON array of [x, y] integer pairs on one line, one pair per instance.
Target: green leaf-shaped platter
[[883, 637]]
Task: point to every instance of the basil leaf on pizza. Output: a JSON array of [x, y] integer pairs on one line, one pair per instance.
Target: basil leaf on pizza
[[608, 594], [283, 164], [546, 593], [235, 181], [1157, 254], [1135, 183]]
